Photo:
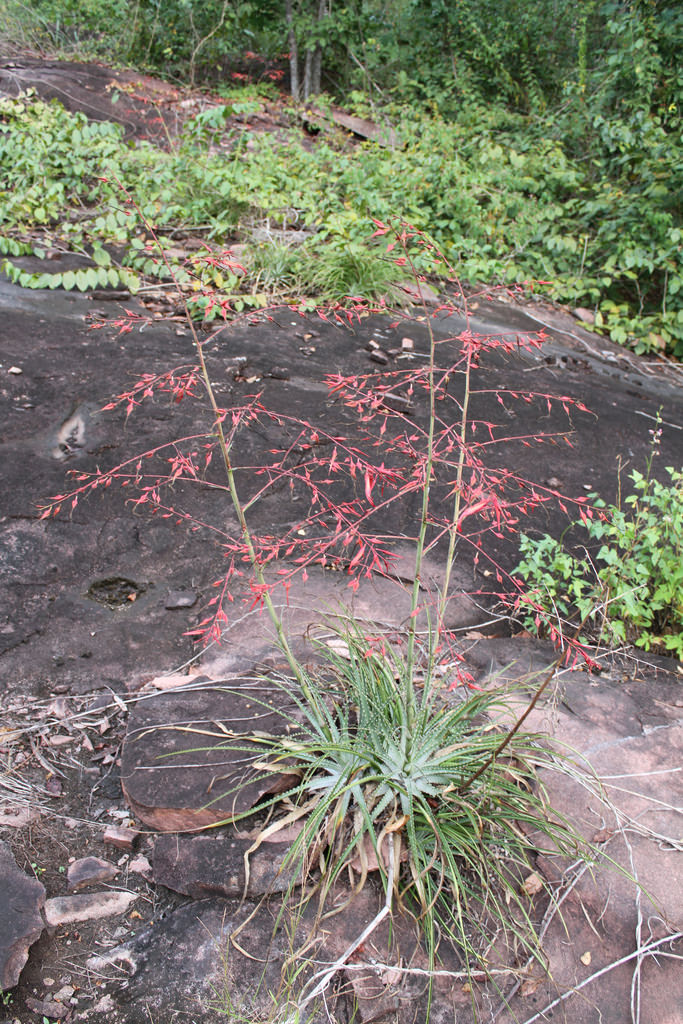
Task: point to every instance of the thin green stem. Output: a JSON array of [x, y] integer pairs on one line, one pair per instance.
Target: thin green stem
[[453, 528], [239, 509], [424, 519], [424, 512]]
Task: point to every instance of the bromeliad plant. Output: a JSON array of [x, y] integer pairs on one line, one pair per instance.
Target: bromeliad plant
[[392, 771], [434, 792]]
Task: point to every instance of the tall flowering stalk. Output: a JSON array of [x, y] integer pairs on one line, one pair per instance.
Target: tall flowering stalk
[[385, 769], [347, 532]]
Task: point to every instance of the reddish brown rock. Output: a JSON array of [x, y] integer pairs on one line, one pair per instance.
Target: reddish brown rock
[[21, 900], [47, 1008], [141, 866], [17, 815], [120, 837], [183, 762], [375, 1000], [89, 871], [632, 743]]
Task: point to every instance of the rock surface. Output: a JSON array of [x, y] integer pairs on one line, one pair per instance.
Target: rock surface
[[201, 866], [86, 906], [21, 924], [90, 906], [120, 836], [185, 757]]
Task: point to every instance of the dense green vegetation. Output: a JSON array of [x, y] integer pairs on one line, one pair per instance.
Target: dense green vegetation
[[629, 587], [537, 142]]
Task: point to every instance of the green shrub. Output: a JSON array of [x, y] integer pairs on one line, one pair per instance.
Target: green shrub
[[630, 589]]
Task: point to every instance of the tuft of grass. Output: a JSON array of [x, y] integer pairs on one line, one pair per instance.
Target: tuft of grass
[[275, 267], [344, 269]]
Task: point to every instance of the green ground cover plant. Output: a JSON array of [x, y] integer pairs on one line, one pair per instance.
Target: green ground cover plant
[[627, 586]]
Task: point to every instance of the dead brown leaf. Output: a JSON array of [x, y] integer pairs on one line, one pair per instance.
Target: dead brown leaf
[[532, 884], [530, 986]]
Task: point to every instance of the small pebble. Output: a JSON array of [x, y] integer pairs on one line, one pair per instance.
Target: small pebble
[[123, 838], [89, 871], [180, 599]]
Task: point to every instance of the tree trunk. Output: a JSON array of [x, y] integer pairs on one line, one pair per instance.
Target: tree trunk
[[293, 52], [308, 67], [312, 61], [323, 12]]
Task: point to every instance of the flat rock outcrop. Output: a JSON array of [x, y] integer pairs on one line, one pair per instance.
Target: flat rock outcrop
[[21, 901]]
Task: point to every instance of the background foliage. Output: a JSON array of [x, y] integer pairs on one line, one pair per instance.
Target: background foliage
[[538, 141]]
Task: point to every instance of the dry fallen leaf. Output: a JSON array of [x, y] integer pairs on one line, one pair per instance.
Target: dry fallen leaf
[[366, 850], [532, 884], [171, 681], [530, 985], [60, 740]]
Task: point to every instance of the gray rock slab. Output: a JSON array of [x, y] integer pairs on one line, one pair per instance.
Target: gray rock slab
[[180, 599], [21, 924], [89, 906], [49, 628], [188, 964], [325, 602], [201, 866], [94, 90], [187, 761]]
